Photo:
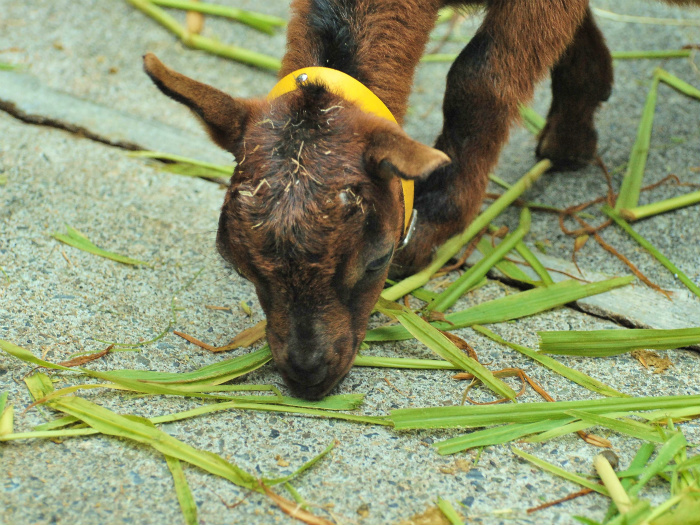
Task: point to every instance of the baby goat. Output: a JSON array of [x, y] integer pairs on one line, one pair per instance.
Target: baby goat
[[317, 210]]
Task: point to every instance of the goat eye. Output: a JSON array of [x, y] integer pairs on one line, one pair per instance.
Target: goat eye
[[380, 263]]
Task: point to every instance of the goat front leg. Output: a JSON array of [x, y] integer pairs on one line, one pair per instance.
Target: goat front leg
[[581, 80], [515, 46]]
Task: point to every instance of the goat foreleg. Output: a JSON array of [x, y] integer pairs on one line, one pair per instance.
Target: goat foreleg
[[514, 48]]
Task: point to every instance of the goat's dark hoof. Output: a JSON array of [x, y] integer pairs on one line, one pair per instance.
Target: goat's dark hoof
[[568, 147]]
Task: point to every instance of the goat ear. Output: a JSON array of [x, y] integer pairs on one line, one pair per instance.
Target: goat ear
[[224, 117], [392, 153]]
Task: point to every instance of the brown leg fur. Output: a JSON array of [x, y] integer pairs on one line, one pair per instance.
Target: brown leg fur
[[517, 43], [581, 80]]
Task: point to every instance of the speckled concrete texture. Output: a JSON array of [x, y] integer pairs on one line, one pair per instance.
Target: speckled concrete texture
[[57, 300]]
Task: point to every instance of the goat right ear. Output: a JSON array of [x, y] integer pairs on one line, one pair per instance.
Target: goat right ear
[[392, 153], [224, 117]]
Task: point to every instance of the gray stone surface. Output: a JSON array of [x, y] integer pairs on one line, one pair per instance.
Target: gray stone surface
[[59, 300]]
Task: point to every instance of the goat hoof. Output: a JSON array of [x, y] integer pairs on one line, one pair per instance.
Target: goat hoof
[[569, 148]]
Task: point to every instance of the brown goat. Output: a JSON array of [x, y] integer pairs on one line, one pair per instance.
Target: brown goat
[[314, 214]]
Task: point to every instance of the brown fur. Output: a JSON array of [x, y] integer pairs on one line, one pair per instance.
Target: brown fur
[[314, 212]]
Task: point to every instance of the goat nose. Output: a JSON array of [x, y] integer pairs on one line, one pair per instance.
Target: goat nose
[[307, 367]]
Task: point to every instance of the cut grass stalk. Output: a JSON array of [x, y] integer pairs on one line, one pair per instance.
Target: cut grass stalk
[[632, 181], [534, 263], [601, 343], [655, 208], [202, 43], [612, 483], [510, 307], [449, 512], [663, 458], [485, 415], [213, 374], [404, 363], [651, 54], [79, 240], [185, 165], [681, 276], [477, 272], [507, 268], [441, 345], [676, 83], [453, 245], [208, 409], [259, 21], [628, 427], [7, 416], [182, 490], [618, 17], [107, 422], [495, 435], [532, 120], [557, 471], [640, 460], [577, 377]]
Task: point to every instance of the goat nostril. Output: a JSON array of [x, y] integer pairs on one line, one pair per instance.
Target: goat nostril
[[309, 370]]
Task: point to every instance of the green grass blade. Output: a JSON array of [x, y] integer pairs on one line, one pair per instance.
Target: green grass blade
[[532, 120], [182, 489], [61, 422], [7, 416], [3, 401], [496, 435], [306, 466], [200, 42], [514, 306], [453, 245], [577, 377], [507, 268], [600, 343], [676, 83], [441, 345], [653, 251], [259, 21], [449, 512], [477, 272], [159, 155], [534, 263], [404, 363], [632, 182], [557, 471], [663, 458], [653, 54], [623, 426], [26, 356], [485, 415], [213, 374], [79, 240], [239, 54], [655, 208], [110, 423]]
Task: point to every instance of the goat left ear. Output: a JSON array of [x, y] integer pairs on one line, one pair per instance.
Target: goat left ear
[[224, 117], [392, 153]]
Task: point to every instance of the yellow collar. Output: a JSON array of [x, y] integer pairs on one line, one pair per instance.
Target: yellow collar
[[354, 91]]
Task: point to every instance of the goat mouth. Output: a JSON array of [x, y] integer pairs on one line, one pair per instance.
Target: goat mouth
[[310, 392], [316, 391]]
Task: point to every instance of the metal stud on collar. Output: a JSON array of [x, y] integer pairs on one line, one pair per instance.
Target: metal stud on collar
[[409, 233]]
